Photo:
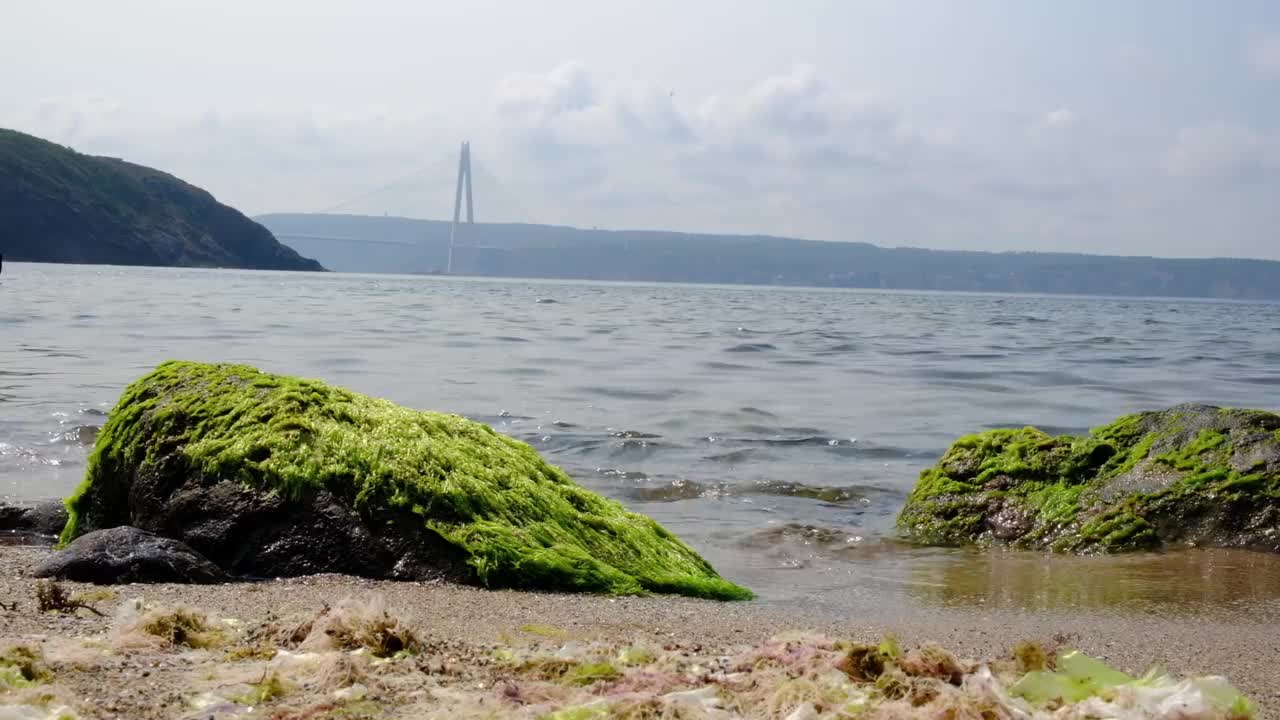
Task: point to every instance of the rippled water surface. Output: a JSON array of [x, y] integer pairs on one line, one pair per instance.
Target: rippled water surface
[[778, 430]]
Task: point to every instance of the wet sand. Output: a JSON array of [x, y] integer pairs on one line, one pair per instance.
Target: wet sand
[[1240, 642]]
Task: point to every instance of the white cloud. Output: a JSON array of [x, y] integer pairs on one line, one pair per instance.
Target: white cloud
[[1220, 152], [532, 98], [1266, 53], [259, 159], [795, 152], [1060, 118]]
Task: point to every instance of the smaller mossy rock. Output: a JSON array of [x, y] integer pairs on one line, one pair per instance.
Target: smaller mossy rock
[[1191, 474], [129, 555], [269, 475]]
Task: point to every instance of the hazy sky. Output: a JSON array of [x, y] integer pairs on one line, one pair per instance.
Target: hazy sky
[[1137, 127]]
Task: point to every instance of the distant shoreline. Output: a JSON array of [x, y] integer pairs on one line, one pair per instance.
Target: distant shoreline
[[393, 245], [456, 277]]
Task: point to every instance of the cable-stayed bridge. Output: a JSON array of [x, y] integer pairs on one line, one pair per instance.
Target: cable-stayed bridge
[[406, 197]]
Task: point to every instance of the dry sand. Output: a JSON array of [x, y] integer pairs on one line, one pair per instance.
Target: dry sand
[[465, 624]]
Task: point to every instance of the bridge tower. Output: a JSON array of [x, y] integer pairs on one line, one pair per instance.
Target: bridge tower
[[464, 177]]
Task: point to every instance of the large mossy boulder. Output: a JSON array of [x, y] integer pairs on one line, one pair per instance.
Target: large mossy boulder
[[269, 476], [1189, 475]]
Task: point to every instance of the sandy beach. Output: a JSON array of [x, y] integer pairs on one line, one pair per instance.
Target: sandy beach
[[462, 629]]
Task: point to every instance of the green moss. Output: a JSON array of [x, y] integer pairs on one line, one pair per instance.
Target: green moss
[[522, 522], [1031, 657], [595, 711], [269, 688], [1104, 491], [1116, 530], [1136, 454], [1238, 481], [592, 673], [182, 627], [1191, 455], [21, 667], [632, 656], [546, 668], [257, 651], [1055, 503], [546, 631]]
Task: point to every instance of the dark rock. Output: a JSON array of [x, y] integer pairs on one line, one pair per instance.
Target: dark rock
[[129, 555], [1188, 475], [273, 476], [45, 518]]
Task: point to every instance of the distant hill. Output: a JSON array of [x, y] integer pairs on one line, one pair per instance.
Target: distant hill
[[541, 251], [57, 205]]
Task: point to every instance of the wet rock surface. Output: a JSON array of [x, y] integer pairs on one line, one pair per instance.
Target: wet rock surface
[[1190, 475], [43, 518], [129, 555]]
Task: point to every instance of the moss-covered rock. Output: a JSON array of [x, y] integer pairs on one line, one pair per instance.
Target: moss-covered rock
[[269, 475], [1191, 474]]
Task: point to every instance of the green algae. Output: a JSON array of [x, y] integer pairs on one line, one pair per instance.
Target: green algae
[[181, 626], [592, 673], [547, 631], [1140, 481], [521, 522], [21, 667], [271, 687]]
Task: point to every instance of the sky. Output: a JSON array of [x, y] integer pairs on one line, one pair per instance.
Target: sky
[[1145, 127]]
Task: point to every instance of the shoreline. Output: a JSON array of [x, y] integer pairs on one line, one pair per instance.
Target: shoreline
[[1241, 644]]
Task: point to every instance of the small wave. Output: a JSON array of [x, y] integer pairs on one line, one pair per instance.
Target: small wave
[[791, 533], [26, 456], [751, 347], [713, 365], [959, 374], [546, 301], [840, 348], [84, 435], [734, 457], [632, 434], [671, 491], [797, 440], [836, 494], [632, 394], [908, 353], [343, 362], [749, 410], [1262, 380], [622, 474], [510, 338], [522, 371]]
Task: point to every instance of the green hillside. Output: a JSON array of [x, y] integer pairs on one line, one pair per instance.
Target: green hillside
[[57, 205]]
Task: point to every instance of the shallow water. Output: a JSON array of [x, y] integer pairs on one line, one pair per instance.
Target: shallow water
[[778, 430]]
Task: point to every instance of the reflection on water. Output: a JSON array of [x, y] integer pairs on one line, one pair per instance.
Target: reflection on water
[[1172, 581]]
